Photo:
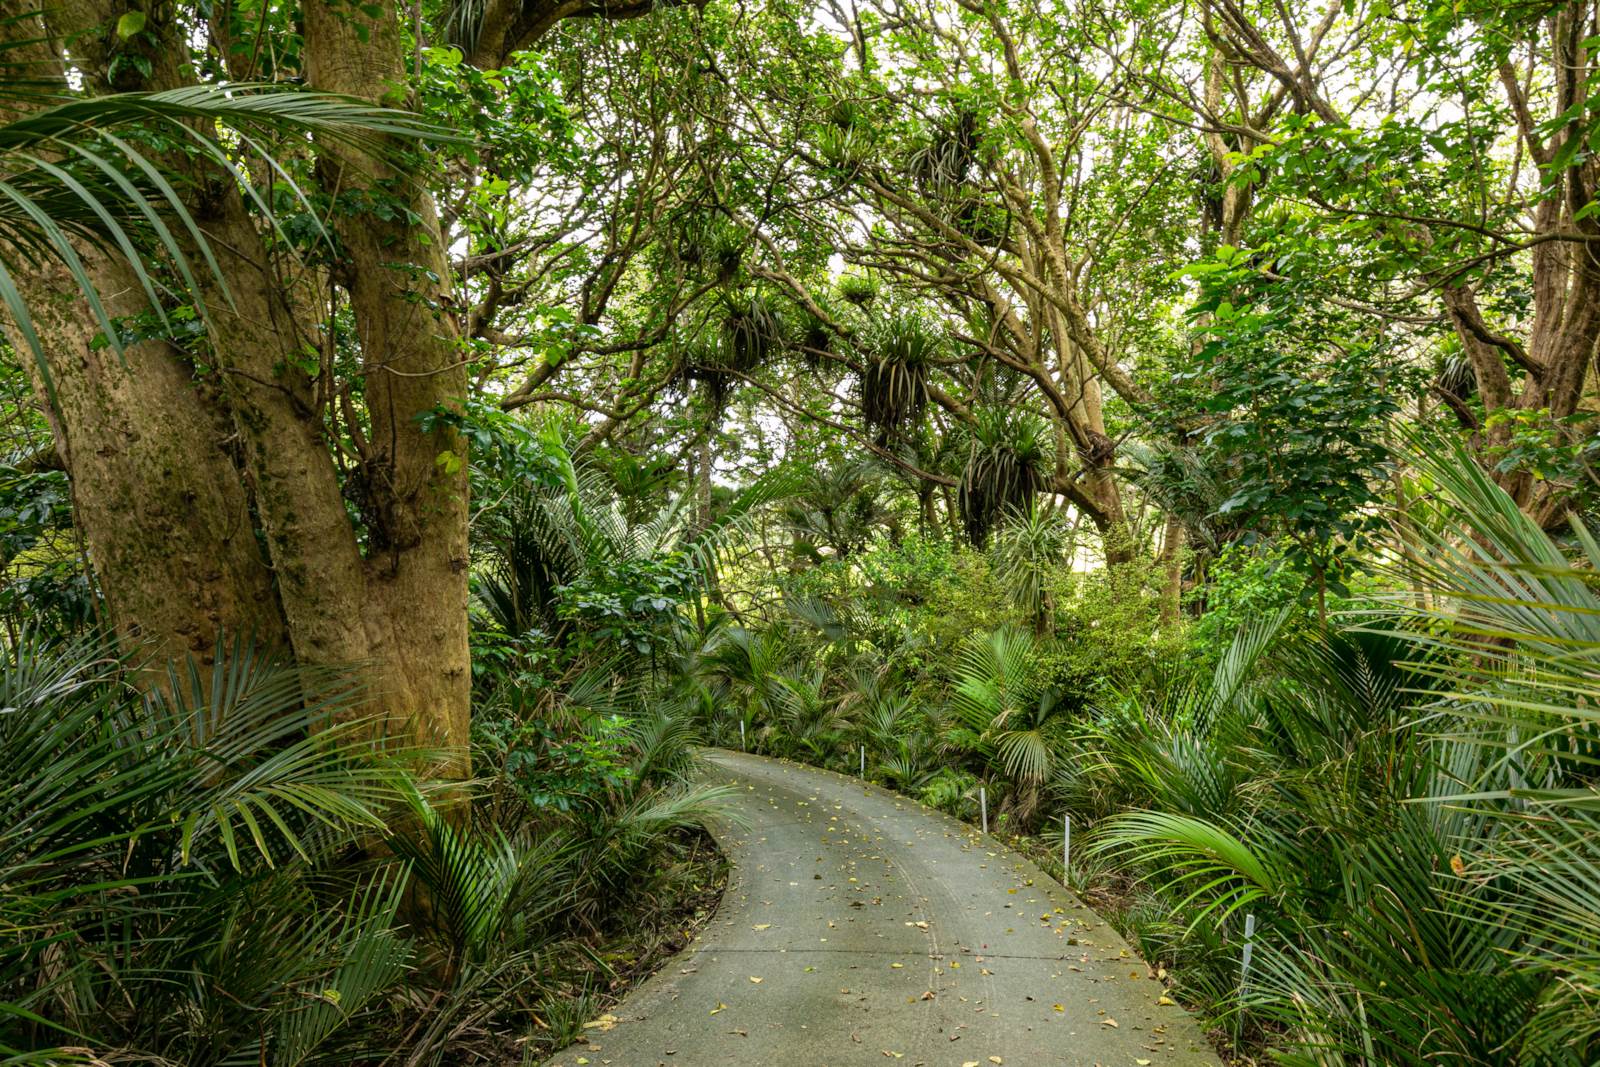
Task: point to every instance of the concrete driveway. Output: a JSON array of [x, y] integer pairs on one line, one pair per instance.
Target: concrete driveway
[[860, 927]]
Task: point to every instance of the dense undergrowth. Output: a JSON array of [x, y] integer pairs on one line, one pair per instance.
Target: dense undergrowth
[[233, 874], [225, 869], [1404, 802], [1181, 418]]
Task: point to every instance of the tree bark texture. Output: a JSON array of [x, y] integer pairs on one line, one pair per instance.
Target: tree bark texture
[[214, 503]]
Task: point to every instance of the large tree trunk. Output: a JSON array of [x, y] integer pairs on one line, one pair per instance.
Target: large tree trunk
[[155, 488], [164, 509], [161, 506], [416, 570]]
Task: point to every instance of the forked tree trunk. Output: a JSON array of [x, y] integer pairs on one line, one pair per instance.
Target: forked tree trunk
[[156, 489], [165, 511]]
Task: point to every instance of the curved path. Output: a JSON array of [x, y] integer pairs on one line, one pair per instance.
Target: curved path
[[860, 927]]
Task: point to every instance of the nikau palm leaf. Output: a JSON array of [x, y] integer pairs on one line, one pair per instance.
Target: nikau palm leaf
[[71, 177]]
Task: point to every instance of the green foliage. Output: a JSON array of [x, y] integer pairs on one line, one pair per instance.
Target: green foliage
[[1030, 548], [210, 833], [1006, 466], [565, 565], [1559, 451], [894, 383], [552, 768], [628, 604], [102, 187], [1110, 634], [1302, 436], [1403, 803], [187, 835], [717, 230], [42, 578], [1245, 583]]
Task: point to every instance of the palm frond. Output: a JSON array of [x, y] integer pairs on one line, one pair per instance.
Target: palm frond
[[71, 178]]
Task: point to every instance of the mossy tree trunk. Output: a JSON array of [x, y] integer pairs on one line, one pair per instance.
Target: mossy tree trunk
[[154, 469], [175, 473]]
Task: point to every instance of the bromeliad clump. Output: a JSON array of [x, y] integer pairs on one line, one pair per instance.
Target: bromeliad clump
[[894, 382], [752, 331], [1005, 469]]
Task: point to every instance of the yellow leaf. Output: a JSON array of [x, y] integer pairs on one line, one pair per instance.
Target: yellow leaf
[[754, 979], [1058, 1007], [1166, 1001]]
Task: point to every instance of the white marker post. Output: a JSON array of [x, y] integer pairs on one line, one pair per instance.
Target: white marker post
[[741, 735], [983, 806], [1066, 845], [1249, 950], [863, 761]]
